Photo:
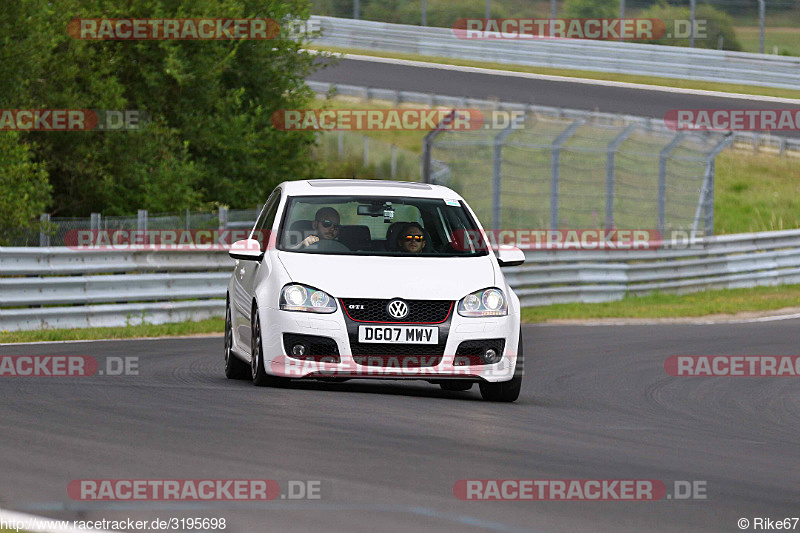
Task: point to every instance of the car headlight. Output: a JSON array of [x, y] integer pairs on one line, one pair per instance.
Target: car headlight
[[295, 297], [488, 302]]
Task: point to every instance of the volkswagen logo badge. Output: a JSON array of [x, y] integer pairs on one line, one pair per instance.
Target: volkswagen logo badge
[[397, 309]]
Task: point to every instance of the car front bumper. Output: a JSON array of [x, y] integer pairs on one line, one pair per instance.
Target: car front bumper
[[407, 365]]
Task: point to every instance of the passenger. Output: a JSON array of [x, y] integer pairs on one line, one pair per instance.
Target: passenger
[[325, 226], [412, 239]]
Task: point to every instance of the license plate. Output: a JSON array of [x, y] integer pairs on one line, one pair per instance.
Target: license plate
[[399, 334]]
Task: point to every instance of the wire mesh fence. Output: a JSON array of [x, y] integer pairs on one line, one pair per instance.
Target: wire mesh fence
[[559, 173]]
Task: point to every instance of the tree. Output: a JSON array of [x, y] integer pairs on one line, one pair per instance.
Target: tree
[[209, 139], [718, 24], [24, 190]]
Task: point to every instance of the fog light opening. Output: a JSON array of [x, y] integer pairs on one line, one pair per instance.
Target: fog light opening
[[298, 349], [490, 356]]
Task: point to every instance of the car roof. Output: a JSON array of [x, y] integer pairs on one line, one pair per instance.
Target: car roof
[[353, 187]]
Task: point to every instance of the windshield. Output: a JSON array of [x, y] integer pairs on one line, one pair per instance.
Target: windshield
[[377, 225]]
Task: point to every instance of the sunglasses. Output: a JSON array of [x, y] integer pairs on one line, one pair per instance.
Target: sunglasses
[[328, 224], [414, 238]]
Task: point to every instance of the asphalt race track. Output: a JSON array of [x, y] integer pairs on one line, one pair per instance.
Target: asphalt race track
[[596, 404], [568, 94]]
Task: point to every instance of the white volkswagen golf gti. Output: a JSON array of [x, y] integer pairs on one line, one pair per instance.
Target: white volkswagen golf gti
[[344, 279]]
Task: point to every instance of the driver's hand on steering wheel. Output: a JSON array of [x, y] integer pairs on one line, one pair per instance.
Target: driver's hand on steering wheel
[[308, 241]]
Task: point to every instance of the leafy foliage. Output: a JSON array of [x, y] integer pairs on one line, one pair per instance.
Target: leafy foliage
[[719, 24], [590, 9], [209, 138]]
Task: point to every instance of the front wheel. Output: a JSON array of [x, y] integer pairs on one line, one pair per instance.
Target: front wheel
[[259, 375], [235, 368], [505, 391]]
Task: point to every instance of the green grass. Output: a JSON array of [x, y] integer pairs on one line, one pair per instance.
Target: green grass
[[607, 76], [756, 193], [659, 305], [179, 329], [786, 39]]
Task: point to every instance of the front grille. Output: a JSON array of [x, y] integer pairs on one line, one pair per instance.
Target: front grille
[[320, 349], [398, 361], [469, 352], [395, 350], [419, 311]]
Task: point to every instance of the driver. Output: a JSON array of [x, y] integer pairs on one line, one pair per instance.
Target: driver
[[326, 226]]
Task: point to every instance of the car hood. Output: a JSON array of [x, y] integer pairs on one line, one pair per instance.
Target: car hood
[[417, 278]]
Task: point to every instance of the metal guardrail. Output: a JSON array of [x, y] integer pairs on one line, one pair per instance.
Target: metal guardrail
[[127, 288], [46, 288], [742, 140], [721, 262], [599, 56]]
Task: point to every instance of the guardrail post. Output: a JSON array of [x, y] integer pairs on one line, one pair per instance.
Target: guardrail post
[[394, 161], [340, 146], [44, 238], [424, 12], [94, 221], [662, 179], [223, 217], [141, 220], [613, 146], [366, 151], [555, 157], [497, 172]]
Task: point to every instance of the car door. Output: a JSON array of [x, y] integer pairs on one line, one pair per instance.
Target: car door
[[246, 271]]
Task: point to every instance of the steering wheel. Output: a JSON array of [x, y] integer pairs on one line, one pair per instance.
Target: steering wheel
[[328, 245]]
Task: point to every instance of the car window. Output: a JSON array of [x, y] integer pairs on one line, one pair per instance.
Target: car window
[[267, 219], [376, 225]]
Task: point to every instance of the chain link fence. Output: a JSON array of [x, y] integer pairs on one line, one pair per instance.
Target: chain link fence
[[573, 173]]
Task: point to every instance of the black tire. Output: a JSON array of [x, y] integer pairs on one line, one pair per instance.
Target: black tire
[[235, 368], [257, 372], [506, 391], [456, 385]]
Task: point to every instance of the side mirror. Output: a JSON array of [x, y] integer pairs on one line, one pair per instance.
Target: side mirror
[[509, 256], [247, 249]]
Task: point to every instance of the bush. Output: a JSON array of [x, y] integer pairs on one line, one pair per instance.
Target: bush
[[718, 25], [441, 13], [590, 9]]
